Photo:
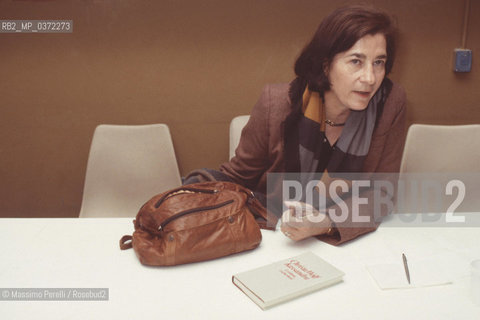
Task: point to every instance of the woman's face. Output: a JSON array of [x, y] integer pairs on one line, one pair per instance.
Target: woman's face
[[356, 74]]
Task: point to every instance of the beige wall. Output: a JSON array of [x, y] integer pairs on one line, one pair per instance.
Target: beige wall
[[193, 65]]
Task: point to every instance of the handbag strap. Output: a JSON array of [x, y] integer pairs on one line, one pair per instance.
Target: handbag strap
[[126, 242]]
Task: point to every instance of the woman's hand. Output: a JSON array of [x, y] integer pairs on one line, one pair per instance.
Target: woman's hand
[[301, 221]]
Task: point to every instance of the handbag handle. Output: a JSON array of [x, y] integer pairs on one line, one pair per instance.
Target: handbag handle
[[126, 242]]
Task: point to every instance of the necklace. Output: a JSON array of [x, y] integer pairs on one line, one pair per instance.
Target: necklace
[[333, 124]]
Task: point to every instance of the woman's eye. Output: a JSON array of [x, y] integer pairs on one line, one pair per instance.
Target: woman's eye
[[355, 61], [379, 63]]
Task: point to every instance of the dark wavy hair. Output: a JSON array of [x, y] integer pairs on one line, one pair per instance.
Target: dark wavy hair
[[338, 32]]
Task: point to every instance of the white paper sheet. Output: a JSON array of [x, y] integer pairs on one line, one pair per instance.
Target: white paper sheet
[[422, 274]]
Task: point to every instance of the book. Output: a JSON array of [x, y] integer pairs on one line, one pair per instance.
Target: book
[[287, 279]]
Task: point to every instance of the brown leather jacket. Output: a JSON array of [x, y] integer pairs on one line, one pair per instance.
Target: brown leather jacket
[[261, 147]]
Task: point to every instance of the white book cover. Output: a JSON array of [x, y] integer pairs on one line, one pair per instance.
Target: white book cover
[[287, 279]]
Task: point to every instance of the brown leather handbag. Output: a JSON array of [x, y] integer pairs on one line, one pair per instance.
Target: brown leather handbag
[[196, 222]]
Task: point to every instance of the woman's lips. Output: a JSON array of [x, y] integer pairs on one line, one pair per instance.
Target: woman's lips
[[363, 94]]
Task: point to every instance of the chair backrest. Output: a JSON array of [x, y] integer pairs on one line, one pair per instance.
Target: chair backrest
[[127, 165], [437, 148], [236, 127]]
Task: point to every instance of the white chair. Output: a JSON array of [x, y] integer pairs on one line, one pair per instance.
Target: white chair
[[236, 127], [127, 165], [440, 169], [437, 148]]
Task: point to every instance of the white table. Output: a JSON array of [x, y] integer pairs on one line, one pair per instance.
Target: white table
[[84, 253]]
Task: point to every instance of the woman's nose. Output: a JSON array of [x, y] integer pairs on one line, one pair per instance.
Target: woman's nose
[[368, 76]]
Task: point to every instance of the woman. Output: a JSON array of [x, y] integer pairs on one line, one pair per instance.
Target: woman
[[340, 114]]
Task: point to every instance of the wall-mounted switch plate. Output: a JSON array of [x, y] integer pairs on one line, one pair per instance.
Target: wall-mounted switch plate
[[462, 60]]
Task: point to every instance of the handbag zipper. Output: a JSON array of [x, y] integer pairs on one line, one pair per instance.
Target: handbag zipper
[[193, 210], [193, 190]]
